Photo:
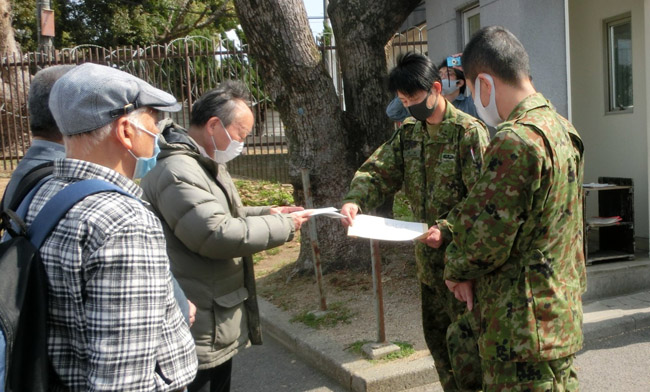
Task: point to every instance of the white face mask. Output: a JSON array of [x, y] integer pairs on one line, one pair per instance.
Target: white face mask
[[489, 114], [231, 152]]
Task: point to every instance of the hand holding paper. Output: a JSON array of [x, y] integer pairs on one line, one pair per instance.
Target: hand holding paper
[[432, 238], [330, 212], [349, 210]]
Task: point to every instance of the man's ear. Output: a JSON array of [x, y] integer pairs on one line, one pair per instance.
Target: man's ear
[[213, 124], [437, 86], [486, 89], [124, 132]]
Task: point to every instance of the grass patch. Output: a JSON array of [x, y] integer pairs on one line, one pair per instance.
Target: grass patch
[[336, 313], [264, 193], [257, 257], [406, 349], [273, 251], [356, 346]]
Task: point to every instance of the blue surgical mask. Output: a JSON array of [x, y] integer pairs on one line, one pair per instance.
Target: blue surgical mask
[[144, 165], [449, 86]]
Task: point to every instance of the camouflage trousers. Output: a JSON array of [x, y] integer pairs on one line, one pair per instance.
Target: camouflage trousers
[[439, 309], [557, 375]]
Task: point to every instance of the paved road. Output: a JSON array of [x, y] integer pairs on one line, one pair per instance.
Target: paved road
[[271, 367], [620, 363]]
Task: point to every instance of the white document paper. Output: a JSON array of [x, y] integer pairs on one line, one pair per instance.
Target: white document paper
[[327, 211], [374, 227], [597, 185]]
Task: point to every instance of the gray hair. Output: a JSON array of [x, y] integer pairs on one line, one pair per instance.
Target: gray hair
[[84, 143], [220, 102]]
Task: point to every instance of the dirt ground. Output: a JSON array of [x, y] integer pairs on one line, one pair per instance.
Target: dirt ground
[[351, 293], [4, 180]]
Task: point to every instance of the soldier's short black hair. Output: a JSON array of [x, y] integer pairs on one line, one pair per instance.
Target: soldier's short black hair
[[414, 72], [496, 51], [41, 121], [460, 75], [220, 102]]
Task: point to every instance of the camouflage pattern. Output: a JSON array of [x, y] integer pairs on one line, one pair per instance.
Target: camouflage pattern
[[519, 235], [557, 375], [439, 309], [462, 336], [436, 166]]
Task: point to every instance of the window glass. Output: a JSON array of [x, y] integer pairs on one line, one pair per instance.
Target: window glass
[[471, 23], [619, 37]]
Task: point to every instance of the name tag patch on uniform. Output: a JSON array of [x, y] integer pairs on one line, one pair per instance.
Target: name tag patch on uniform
[[448, 157]]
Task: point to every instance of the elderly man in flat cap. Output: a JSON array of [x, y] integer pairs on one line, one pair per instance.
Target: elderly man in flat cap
[[113, 321]]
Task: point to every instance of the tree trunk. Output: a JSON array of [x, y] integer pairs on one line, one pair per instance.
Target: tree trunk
[[330, 143], [10, 51]]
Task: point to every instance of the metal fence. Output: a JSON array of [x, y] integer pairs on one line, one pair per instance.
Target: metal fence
[[186, 68]]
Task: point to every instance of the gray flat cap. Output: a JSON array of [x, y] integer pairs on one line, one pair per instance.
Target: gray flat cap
[[90, 96]]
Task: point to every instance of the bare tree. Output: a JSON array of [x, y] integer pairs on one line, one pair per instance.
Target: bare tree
[[328, 141]]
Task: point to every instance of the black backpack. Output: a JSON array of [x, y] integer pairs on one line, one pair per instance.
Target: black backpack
[[24, 285]]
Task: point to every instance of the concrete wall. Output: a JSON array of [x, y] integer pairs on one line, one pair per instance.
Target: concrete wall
[[539, 25], [616, 145]]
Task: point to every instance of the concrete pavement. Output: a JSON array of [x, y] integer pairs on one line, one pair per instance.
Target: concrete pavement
[[603, 316]]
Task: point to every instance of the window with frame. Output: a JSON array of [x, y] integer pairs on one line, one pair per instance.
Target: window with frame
[[619, 64], [471, 23]]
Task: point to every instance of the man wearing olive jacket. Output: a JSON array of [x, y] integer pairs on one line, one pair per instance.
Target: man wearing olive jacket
[[210, 235]]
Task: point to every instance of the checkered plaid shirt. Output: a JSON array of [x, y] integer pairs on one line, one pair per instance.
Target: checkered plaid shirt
[[113, 322]]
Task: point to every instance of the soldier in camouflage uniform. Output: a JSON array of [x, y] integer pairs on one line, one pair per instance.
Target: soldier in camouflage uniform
[[436, 156], [518, 235]]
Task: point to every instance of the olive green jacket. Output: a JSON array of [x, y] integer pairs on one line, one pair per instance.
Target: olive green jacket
[[211, 237]]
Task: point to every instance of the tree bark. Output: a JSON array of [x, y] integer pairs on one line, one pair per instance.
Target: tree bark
[[330, 143], [11, 78]]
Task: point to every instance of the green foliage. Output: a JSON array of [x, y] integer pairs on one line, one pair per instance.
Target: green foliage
[[125, 22], [336, 313], [264, 193], [406, 349], [325, 38]]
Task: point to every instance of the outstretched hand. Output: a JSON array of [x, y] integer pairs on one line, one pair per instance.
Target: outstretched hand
[[285, 209], [299, 217]]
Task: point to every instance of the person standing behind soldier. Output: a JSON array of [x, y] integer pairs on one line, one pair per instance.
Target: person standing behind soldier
[[436, 156], [211, 236], [47, 141], [453, 89], [518, 235]]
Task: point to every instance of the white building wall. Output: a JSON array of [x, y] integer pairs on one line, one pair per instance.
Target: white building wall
[[539, 25], [616, 145]]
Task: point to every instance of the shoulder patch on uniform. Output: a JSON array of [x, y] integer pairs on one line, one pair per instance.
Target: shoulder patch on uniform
[[409, 120]]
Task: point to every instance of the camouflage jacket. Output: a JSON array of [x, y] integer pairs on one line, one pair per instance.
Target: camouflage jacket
[[519, 234], [436, 169]]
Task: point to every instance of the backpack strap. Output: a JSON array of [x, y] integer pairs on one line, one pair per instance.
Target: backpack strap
[[26, 184], [48, 217]]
